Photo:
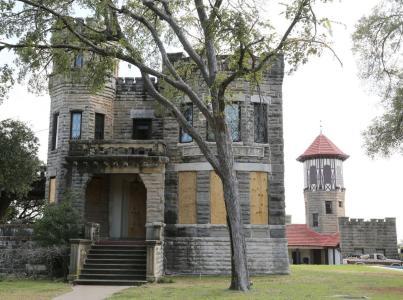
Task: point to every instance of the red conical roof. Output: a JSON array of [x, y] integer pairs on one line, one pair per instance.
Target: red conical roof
[[322, 147]]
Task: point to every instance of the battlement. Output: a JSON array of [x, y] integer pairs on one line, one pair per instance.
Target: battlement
[[132, 84], [353, 221]]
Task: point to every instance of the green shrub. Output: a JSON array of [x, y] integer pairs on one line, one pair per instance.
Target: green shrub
[[60, 223]]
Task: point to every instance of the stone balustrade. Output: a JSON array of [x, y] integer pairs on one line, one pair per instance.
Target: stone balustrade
[[92, 148]]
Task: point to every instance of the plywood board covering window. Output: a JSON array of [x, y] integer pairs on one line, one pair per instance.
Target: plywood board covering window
[[52, 190], [187, 198], [259, 211], [217, 206]]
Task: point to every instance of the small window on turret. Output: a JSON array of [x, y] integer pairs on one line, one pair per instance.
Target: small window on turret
[[55, 130], [260, 122], [315, 220], [99, 126], [340, 203], [328, 206], [75, 126]]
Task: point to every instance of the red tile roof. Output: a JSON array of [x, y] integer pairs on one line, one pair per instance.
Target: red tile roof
[[300, 235], [322, 147]]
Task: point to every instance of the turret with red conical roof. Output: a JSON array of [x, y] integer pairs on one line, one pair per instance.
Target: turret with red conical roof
[[323, 184]]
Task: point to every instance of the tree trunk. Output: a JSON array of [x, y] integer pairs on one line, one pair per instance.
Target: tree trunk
[[239, 265]]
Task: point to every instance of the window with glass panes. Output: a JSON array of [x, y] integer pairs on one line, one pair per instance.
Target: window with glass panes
[[233, 119], [188, 113], [75, 126], [99, 126], [260, 122]]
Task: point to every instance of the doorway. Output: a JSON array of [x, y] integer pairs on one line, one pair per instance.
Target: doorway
[[128, 207]]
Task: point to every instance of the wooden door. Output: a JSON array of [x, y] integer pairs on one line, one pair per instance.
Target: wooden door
[[136, 210]]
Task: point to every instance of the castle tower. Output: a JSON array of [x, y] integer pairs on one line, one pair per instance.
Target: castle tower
[[76, 114], [324, 191]]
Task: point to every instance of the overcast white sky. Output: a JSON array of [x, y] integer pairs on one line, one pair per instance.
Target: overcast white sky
[[321, 90]]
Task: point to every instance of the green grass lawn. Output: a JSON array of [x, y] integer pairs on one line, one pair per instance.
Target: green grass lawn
[[305, 282], [31, 289]]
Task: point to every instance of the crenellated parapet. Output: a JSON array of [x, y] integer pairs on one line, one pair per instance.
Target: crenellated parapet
[[370, 222], [131, 84]]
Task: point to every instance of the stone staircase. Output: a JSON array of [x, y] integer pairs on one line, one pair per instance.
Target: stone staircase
[[115, 263]]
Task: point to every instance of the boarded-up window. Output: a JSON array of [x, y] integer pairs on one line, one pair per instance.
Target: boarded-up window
[[259, 211], [218, 212], [187, 198], [52, 190]]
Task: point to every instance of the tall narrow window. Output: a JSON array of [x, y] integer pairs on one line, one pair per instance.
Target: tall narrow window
[[187, 188], [315, 220], [99, 126], [328, 206], [55, 130], [75, 128], [260, 115], [52, 190], [233, 119], [188, 113], [142, 129], [259, 209], [79, 61], [218, 213]]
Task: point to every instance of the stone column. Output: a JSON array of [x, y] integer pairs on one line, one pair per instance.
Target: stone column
[[78, 253]]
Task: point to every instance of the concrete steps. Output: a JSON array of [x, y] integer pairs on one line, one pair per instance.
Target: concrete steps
[[115, 263]]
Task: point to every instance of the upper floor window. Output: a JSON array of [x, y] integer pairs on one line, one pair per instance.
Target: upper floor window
[[99, 126], [142, 129], [233, 119], [328, 206], [79, 61], [55, 130], [188, 113], [315, 220], [75, 126], [260, 122]]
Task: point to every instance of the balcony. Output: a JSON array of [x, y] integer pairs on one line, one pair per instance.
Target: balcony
[[117, 150]]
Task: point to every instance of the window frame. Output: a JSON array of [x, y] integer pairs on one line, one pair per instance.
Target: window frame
[[149, 132], [72, 113], [209, 132], [78, 61], [102, 132], [55, 131], [182, 133], [255, 125], [315, 220], [328, 207], [52, 192]]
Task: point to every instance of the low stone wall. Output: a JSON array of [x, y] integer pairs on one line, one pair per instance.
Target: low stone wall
[[368, 236], [14, 235]]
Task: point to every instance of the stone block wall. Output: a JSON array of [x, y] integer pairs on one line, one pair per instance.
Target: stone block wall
[[370, 236], [315, 203], [205, 249]]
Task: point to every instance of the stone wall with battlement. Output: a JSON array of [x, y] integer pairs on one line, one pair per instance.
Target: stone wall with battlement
[[368, 236]]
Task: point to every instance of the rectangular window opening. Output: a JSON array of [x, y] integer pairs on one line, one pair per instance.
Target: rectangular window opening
[[315, 220], [188, 113], [75, 126], [52, 190], [233, 119], [99, 126], [55, 131], [328, 205], [142, 129], [187, 188], [260, 122], [340, 203]]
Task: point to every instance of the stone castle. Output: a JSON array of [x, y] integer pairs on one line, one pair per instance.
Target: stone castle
[[142, 184]]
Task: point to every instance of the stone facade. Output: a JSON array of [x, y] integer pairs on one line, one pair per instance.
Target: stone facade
[[366, 237], [172, 247], [315, 202]]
